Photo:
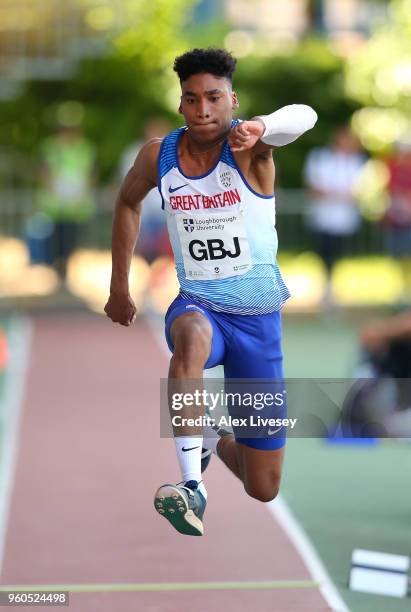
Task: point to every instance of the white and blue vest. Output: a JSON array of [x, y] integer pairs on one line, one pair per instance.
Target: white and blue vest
[[222, 234]]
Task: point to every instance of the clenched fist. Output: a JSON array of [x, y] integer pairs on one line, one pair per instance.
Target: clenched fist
[[245, 135], [120, 308]]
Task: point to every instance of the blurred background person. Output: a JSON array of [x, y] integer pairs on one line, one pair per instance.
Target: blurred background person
[[330, 175], [65, 198], [397, 220], [154, 127], [153, 241], [386, 345], [380, 398]]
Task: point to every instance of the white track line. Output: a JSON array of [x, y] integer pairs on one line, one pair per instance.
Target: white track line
[[284, 517], [11, 411]]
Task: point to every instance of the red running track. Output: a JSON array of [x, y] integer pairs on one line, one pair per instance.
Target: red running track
[[89, 461]]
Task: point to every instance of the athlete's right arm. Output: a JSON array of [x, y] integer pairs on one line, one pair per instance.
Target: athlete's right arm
[[140, 179]]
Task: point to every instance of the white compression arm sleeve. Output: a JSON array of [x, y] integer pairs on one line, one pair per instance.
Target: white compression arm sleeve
[[287, 124]]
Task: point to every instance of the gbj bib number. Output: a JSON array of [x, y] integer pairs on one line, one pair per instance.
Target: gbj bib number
[[214, 246]]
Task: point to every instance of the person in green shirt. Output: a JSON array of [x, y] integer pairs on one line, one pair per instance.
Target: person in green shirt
[[66, 193]]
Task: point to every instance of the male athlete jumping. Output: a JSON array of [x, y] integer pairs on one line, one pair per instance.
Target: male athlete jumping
[[216, 178]]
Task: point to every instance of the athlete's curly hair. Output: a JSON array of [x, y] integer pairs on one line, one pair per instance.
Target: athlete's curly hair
[[218, 62]]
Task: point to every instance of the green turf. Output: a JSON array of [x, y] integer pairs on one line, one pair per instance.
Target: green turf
[[322, 346], [346, 496]]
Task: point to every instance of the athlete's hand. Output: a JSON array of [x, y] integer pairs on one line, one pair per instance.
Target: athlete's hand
[[245, 135], [120, 308]]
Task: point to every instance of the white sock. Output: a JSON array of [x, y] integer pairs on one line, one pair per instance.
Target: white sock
[[211, 439], [189, 458]]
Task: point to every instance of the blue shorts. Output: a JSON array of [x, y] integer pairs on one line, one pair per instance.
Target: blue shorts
[[248, 346]]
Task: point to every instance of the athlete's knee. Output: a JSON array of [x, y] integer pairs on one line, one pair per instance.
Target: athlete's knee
[[192, 343], [263, 489]]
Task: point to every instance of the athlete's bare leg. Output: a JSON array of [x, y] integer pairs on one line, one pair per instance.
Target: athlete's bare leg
[[259, 470], [191, 334]]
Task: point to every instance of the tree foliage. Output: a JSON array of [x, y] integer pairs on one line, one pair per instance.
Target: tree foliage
[[312, 75], [378, 76], [119, 89], [134, 80]]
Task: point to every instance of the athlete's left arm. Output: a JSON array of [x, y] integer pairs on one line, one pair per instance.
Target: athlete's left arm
[[262, 133]]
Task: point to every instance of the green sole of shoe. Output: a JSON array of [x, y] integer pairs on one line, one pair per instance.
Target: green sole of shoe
[[170, 503]]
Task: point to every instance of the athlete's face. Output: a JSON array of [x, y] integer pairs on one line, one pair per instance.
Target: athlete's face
[[207, 103]]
